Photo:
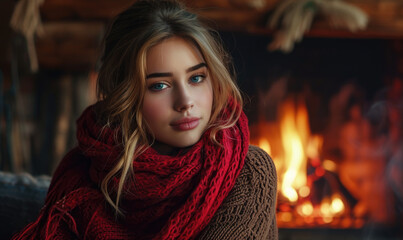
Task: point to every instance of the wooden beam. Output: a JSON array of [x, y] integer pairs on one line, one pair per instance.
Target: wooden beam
[[321, 29], [57, 10], [6, 8], [74, 28], [69, 45], [386, 16], [236, 20], [83, 10]]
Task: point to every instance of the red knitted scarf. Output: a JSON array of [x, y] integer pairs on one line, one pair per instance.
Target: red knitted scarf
[[169, 197]]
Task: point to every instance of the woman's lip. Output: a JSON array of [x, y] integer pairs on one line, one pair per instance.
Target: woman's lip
[[185, 124]]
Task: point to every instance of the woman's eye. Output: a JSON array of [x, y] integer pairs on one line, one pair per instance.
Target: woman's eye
[[197, 79], [158, 86]]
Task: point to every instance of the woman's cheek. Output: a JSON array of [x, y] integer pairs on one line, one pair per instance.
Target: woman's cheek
[[205, 97], [152, 108]]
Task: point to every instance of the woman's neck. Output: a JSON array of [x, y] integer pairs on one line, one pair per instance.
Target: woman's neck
[[165, 149]]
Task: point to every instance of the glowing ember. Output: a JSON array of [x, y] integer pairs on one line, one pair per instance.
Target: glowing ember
[[337, 205], [305, 209], [325, 208]]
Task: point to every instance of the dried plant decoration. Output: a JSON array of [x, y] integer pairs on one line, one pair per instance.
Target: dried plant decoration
[[27, 21], [295, 17]]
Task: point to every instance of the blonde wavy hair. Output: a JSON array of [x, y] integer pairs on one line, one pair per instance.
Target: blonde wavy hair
[[121, 79]]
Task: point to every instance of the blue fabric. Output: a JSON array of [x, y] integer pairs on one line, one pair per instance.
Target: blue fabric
[[21, 198]]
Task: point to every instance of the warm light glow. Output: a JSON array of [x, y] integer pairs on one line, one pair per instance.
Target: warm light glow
[[325, 208], [294, 129], [290, 193], [302, 122], [319, 171], [304, 191], [328, 219], [329, 165], [285, 216], [306, 208], [314, 146], [299, 147], [265, 145], [337, 205]]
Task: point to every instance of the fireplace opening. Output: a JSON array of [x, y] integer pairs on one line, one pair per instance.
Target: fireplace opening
[[330, 115]]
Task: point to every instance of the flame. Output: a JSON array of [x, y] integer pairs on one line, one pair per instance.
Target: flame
[[314, 146], [265, 145], [294, 135], [294, 130]]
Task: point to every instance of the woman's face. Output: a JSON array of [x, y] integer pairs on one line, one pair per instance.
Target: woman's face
[[179, 96]]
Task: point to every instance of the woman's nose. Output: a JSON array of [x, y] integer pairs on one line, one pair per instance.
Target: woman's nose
[[183, 99]]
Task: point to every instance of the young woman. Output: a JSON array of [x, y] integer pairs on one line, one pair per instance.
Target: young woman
[[165, 153]]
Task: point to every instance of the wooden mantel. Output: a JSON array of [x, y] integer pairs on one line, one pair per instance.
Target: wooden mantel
[[386, 16], [73, 28]]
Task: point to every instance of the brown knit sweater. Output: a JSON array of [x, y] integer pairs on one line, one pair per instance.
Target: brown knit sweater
[[249, 211]]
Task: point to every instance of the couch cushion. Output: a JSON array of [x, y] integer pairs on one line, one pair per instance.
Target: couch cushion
[[21, 198]]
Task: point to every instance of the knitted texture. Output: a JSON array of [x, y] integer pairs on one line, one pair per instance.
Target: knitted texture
[[168, 198], [249, 211]]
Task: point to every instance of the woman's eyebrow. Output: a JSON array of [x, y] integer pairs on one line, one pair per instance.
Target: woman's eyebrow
[[168, 74], [195, 67], [156, 75]]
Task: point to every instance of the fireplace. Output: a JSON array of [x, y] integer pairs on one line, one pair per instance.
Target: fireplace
[[330, 114]]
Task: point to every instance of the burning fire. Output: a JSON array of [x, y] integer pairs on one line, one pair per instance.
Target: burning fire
[[300, 149], [294, 130]]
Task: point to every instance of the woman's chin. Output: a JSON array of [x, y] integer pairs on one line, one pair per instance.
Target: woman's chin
[[172, 148]]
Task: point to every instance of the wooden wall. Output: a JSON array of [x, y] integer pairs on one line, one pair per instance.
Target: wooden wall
[[74, 28]]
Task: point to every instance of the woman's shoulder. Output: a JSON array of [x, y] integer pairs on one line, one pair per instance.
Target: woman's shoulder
[[249, 209], [258, 163], [257, 181]]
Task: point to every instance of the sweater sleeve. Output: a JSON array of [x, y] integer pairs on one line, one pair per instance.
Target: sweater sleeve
[[249, 211]]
